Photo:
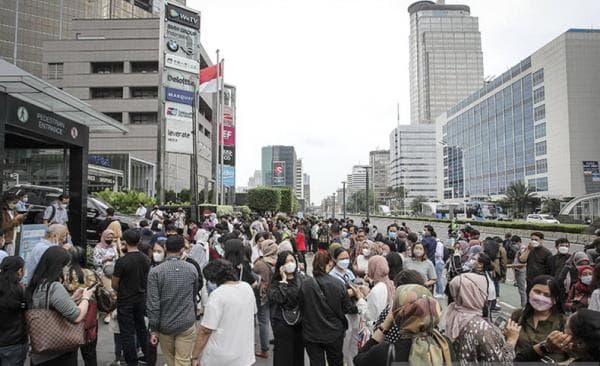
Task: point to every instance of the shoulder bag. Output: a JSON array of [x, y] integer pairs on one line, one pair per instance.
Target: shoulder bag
[[49, 331], [105, 301], [293, 316]]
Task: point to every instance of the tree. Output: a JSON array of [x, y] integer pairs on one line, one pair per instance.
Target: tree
[[521, 197], [397, 195], [125, 202], [264, 199], [415, 205], [551, 206], [357, 201], [289, 202]]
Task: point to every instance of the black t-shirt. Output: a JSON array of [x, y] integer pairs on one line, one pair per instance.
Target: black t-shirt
[[132, 271], [538, 262]]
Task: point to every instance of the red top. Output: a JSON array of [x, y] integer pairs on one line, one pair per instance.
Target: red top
[[300, 244]]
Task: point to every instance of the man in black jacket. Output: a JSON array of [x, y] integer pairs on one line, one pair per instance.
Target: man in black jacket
[[393, 239]]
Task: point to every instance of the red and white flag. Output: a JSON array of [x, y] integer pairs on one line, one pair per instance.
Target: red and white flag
[[208, 79]]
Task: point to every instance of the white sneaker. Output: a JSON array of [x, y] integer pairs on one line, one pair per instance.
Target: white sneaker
[[439, 296]]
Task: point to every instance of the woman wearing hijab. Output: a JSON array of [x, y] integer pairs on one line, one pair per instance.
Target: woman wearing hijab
[[264, 268], [417, 314], [382, 292], [579, 296], [475, 339], [105, 256]]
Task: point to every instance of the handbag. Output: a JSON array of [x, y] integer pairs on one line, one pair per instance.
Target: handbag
[[105, 301], [49, 331], [292, 316]]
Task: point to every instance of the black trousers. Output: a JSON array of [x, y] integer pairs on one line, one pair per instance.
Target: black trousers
[[88, 353], [67, 359], [131, 324], [318, 352], [289, 345]]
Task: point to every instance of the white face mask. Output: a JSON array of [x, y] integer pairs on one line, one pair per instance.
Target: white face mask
[[535, 244], [290, 267], [366, 252], [563, 250], [586, 280], [158, 257]]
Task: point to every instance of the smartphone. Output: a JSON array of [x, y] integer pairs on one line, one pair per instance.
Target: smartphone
[[92, 285], [501, 322]]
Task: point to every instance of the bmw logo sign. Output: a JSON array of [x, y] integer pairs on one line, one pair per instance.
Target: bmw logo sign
[[172, 46], [22, 114]]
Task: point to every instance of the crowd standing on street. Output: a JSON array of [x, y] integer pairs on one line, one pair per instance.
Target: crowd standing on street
[[228, 290]]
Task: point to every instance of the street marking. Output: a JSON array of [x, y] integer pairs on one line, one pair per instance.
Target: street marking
[[507, 305]]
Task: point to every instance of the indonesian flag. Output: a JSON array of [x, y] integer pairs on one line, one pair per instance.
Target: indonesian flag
[[208, 79]]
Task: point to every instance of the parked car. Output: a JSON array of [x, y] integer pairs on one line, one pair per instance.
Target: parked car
[[542, 219], [40, 197]]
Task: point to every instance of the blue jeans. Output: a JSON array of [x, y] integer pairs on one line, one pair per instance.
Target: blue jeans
[[439, 272], [263, 326], [13, 355], [131, 324]]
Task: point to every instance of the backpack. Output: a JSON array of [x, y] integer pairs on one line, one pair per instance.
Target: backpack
[[511, 250], [447, 254], [39, 217]]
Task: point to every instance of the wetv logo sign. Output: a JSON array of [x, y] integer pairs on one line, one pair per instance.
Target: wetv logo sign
[[179, 96], [183, 16]]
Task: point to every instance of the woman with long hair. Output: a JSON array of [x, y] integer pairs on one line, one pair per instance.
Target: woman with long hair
[[542, 315], [475, 339], [418, 261], [13, 330], [417, 314], [80, 277], [284, 298], [46, 290]]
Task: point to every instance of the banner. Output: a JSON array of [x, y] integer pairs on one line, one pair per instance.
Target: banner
[[182, 63], [228, 155], [179, 136], [178, 111], [278, 173], [179, 96], [228, 116], [228, 138], [30, 237], [228, 176]]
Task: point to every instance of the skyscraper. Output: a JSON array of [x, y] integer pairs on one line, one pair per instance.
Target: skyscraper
[[446, 62], [379, 160], [279, 166]]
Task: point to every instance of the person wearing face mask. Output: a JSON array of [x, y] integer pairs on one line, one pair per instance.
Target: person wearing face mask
[[558, 260], [158, 253], [263, 267], [542, 315], [57, 213], [361, 262], [393, 241], [56, 235], [11, 220], [419, 262], [286, 317], [105, 257], [579, 296], [13, 331], [171, 304], [536, 256]]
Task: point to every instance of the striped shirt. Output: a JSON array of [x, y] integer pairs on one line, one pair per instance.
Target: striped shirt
[[171, 302]]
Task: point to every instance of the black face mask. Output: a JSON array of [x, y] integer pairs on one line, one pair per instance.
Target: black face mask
[[108, 242]]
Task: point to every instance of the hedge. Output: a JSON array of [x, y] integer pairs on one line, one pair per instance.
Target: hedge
[[561, 228], [263, 199], [289, 203]]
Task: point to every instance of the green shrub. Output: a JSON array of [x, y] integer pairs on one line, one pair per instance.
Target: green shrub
[[287, 201], [224, 210], [125, 202], [246, 212], [264, 199]]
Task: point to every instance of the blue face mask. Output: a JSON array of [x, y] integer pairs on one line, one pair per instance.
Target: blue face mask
[[393, 234]]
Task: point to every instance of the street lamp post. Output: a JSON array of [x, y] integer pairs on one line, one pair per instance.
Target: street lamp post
[[333, 206], [344, 199], [367, 167]]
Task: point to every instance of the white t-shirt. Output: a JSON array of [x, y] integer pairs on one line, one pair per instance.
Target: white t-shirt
[[362, 263], [376, 302], [229, 312]]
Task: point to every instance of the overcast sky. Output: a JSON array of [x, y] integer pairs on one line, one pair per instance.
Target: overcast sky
[[325, 75]]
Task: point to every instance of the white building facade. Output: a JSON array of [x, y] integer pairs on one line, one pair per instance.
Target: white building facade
[[536, 123]]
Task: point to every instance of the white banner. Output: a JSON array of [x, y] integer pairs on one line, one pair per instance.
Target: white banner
[[178, 111], [179, 136], [181, 63]]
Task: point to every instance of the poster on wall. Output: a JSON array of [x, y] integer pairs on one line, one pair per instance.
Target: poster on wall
[[228, 176]]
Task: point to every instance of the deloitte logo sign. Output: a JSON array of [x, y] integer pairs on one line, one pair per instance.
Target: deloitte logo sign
[[180, 80]]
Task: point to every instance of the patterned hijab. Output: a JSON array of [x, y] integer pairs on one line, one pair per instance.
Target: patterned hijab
[[416, 313]]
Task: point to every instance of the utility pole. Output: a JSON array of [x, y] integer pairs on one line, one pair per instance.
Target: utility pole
[[344, 199], [367, 188], [333, 206]]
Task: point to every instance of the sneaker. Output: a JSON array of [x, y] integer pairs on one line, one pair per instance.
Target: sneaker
[[262, 354], [439, 296]]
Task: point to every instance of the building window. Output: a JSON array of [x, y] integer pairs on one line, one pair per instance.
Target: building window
[[144, 67], [542, 184], [107, 67], [106, 93], [538, 77], [143, 118], [144, 93], [540, 130], [55, 71], [541, 166], [116, 116], [538, 95], [539, 112], [540, 148]]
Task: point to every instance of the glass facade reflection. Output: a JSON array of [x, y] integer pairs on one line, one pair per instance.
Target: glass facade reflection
[[494, 141]]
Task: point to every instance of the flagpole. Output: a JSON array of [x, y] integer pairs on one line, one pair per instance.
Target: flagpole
[[217, 186], [222, 101]]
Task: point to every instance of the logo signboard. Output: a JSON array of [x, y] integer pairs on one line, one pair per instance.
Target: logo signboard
[[228, 138], [181, 40], [278, 173], [179, 137], [178, 111], [228, 155], [182, 63], [183, 16], [179, 96], [180, 80]]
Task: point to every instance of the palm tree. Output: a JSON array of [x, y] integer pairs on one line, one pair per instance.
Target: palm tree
[[397, 194], [520, 196], [416, 207]]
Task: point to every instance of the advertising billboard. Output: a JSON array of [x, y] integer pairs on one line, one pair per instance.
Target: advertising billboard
[[179, 136], [279, 173], [178, 111], [180, 80], [182, 63], [179, 96], [228, 176], [228, 136]]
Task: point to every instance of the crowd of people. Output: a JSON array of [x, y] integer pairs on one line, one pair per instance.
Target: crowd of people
[[343, 293]]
